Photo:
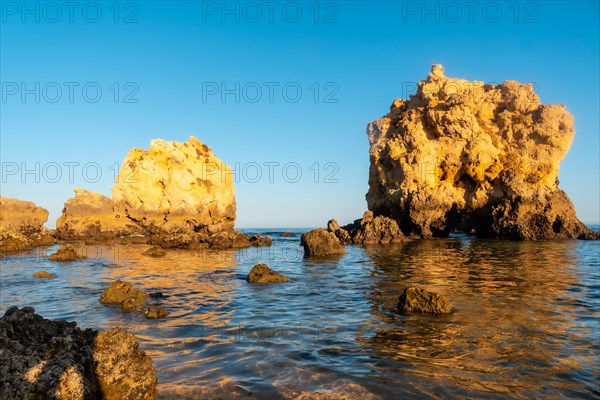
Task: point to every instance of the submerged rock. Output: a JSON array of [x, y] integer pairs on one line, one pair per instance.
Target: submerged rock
[[261, 273], [320, 242], [415, 299], [287, 234], [40, 359], [154, 251], [66, 253], [43, 274], [155, 312], [476, 157], [22, 225], [173, 194]]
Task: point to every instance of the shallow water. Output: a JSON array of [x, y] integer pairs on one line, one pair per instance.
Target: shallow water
[[526, 320]]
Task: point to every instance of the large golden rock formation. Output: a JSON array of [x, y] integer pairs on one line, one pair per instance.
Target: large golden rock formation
[[477, 157], [177, 193]]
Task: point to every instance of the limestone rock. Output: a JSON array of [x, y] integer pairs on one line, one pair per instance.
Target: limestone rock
[[373, 230], [22, 225], [477, 157], [42, 359], [173, 194], [415, 299], [65, 253], [43, 274], [288, 234], [320, 242], [261, 273]]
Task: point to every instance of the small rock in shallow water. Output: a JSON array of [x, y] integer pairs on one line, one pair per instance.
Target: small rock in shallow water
[[320, 242], [154, 251], [288, 234], [112, 266], [119, 291], [43, 274], [133, 304], [65, 253], [420, 300], [261, 273], [155, 313]]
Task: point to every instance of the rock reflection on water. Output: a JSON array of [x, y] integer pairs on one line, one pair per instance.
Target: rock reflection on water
[[526, 322], [522, 323]]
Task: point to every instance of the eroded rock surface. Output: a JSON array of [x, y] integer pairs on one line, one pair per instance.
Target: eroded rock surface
[[66, 253], [130, 298], [415, 299], [472, 156], [174, 194], [368, 230], [44, 359], [22, 225], [319, 243], [261, 273]]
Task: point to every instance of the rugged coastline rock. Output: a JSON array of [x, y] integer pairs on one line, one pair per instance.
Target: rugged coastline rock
[[476, 157], [173, 194], [43, 274], [22, 225], [419, 300], [41, 358], [261, 273], [320, 243], [130, 298], [66, 253]]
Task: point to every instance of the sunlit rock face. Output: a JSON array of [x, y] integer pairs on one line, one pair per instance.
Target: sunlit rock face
[[179, 192], [476, 157], [22, 225]]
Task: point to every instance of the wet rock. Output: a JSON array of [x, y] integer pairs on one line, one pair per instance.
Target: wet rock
[[156, 295], [475, 157], [112, 266], [261, 273], [65, 253], [40, 359], [22, 225], [320, 242], [373, 230], [154, 251], [119, 291], [155, 312], [133, 304], [287, 234], [419, 300], [43, 274]]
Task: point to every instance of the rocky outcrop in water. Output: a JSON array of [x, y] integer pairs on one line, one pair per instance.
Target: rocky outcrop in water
[[175, 194], [66, 253], [475, 157], [22, 225], [130, 298], [368, 230], [415, 299], [44, 359], [261, 273], [43, 275], [320, 243]]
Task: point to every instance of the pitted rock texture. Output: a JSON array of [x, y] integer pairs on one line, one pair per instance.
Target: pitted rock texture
[[174, 194], [44, 359], [22, 225], [475, 157]]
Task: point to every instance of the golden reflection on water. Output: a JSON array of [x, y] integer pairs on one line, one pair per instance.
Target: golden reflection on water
[[514, 322]]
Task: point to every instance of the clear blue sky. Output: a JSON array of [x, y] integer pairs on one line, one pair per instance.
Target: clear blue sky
[[171, 57]]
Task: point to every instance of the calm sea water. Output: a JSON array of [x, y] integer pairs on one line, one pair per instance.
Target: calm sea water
[[526, 325]]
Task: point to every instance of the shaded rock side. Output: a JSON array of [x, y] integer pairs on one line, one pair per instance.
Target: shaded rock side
[[320, 242], [44, 359], [476, 157], [22, 225], [261, 273], [419, 300]]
